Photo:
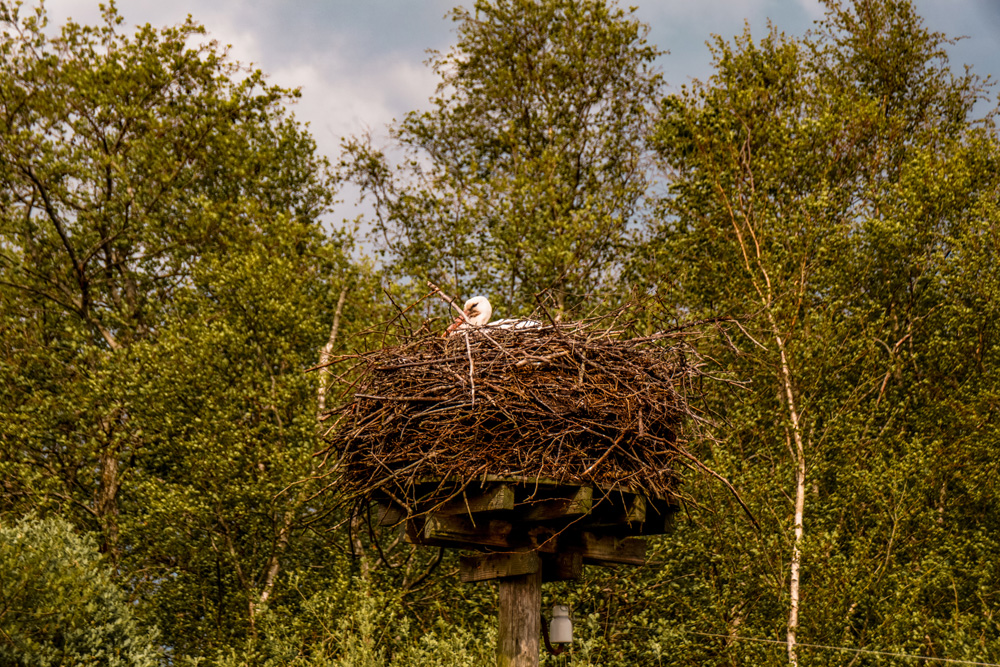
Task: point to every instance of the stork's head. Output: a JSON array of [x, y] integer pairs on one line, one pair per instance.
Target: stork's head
[[478, 310]]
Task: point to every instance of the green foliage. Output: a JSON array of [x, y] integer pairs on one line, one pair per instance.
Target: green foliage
[[122, 159], [528, 170], [60, 603], [165, 280], [357, 623], [828, 191]]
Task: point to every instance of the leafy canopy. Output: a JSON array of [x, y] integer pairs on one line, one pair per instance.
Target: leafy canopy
[[528, 170]]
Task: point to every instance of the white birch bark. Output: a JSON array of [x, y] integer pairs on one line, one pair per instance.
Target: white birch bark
[[753, 262], [327, 352], [800, 498]]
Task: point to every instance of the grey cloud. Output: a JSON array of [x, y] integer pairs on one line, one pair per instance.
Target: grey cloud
[[370, 30], [360, 61]]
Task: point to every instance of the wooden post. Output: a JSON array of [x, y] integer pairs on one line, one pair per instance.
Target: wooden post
[[520, 620], [526, 531]]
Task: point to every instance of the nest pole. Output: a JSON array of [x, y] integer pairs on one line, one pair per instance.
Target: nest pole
[[520, 625], [522, 532]]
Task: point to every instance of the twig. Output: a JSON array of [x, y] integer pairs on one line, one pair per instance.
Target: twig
[[449, 300], [472, 369]]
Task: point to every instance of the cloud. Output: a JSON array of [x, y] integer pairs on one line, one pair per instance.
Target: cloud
[[683, 28], [814, 9], [360, 64], [339, 102]]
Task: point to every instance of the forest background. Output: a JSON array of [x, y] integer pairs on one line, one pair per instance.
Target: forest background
[[168, 271]]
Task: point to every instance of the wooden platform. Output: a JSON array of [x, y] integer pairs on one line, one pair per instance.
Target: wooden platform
[[519, 526]]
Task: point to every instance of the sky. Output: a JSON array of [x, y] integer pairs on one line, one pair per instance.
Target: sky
[[361, 63]]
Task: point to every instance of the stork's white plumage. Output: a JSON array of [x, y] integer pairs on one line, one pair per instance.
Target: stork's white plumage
[[477, 314], [515, 324]]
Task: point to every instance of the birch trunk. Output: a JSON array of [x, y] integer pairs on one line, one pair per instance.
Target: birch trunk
[[327, 352], [800, 497], [753, 261], [274, 563]]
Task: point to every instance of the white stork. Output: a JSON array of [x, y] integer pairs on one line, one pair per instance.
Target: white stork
[[477, 314]]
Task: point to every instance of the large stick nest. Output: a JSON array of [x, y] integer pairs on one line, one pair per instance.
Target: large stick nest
[[580, 403]]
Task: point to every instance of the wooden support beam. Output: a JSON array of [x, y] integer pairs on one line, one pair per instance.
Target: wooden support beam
[[481, 567], [462, 532], [562, 566], [576, 502], [482, 535], [602, 550], [520, 620], [555, 567], [618, 509], [522, 479], [665, 511], [492, 499], [635, 509], [389, 514], [659, 518]]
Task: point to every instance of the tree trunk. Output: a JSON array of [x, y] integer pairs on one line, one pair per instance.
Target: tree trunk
[[106, 499], [800, 498], [327, 352], [274, 564]]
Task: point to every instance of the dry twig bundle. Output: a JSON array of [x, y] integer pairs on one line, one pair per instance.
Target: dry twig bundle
[[580, 403]]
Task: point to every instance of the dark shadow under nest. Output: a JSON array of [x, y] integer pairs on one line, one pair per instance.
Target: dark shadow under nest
[[583, 403]]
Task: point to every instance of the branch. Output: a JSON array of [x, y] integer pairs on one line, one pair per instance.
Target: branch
[[408, 587], [449, 300], [56, 221]]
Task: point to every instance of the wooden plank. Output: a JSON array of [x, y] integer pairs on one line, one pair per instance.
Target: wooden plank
[[483, 535], [389, 514], [481, 567], [603, 550], [520, 620], [623, 530], [626, 509], [619, 508], [491, 499], [523, 480], [562, 566], [576, 502], [461, 531], [635, 509]]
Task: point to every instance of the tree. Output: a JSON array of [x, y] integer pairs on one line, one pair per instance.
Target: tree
[[61, 604], [529, 169], [165, 278], [831, 190]]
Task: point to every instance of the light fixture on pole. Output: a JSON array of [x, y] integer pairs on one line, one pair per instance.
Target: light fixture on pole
[[560, 633], [561, 630]]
